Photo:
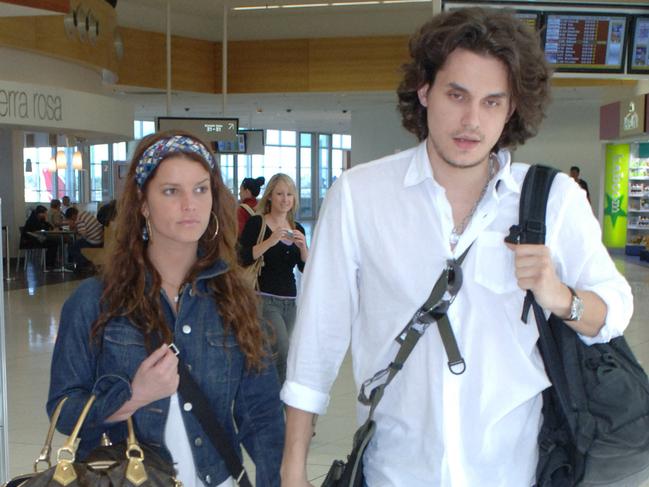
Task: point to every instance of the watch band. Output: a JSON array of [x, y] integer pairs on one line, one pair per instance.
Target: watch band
[[576, 306]]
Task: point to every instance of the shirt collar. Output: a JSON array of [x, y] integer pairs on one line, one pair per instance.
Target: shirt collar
[[504, 175], [419, 169]]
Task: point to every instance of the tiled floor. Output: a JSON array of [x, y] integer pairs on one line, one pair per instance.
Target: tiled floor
[[32, 313]]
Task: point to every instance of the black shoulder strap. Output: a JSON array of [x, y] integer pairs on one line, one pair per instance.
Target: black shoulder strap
[[531, 214], [534, 199]]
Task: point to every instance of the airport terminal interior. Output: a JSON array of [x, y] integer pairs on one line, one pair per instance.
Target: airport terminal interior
[[305, 88]]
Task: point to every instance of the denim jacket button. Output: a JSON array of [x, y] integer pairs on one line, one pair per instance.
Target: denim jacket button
[[187, 329], [198, 441], [187, 406], [208, 479]]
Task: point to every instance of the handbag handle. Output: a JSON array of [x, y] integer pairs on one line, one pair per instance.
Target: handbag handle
[[47, 447], [65, 473]]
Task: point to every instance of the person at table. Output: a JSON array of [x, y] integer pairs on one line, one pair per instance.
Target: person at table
[[89, 233], [30, 238], [55, 215]]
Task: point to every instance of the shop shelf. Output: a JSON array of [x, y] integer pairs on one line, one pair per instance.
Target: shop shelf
[[638, 227]]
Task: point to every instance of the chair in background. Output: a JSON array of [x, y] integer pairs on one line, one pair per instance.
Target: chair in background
[[29, 252], [98, 255]]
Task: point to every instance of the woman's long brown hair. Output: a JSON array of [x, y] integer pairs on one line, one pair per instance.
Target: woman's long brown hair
[[126, 291]]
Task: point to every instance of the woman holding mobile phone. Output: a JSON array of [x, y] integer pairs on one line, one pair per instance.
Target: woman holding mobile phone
[[173, 277], [283, 247]]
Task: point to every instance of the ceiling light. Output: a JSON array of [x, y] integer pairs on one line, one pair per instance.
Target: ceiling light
[[61, 160], [77, 161], [407, 1], [254, 7], [347, 4], [305, 5]]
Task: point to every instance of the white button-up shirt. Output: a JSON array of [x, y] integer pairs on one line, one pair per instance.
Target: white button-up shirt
[[380, 244]]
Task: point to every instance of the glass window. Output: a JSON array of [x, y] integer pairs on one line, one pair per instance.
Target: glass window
[[67, 182], [272, 137], [305, 140], [226, 162], [142, 128], [100, 168], [39, 182], [336, 141], [119, 152], [347, 142], [287, 137]]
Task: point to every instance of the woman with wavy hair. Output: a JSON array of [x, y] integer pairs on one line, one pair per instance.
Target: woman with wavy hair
[[282, 247], [173, 276]]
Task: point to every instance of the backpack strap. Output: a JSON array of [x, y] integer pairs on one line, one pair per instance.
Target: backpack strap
[[531, 215], [248, 208]]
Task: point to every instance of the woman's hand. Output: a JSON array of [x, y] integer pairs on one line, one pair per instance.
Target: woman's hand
[[156, 378], [299, 239], [280, 233]]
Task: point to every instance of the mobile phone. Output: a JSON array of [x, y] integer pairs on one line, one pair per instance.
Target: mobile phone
[[290, 234]]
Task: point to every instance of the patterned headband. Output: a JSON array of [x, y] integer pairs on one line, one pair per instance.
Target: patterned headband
[[165, 147]]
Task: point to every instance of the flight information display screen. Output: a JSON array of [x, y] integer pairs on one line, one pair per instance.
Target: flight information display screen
[[639, 54], [583, 42]]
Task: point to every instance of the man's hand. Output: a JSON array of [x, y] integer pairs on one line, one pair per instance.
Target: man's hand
[[535, 271]]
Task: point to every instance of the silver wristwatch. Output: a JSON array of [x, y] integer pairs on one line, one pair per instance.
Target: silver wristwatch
[[576, 306]]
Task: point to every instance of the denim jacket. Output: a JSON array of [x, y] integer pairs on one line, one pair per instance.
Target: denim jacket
[[236, 394]]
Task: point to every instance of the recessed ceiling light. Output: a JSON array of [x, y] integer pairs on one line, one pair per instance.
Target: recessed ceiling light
[[349, 4], [305, 5], [257, 7]]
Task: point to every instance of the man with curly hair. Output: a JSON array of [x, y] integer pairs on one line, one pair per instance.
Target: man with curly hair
[[476, 87]]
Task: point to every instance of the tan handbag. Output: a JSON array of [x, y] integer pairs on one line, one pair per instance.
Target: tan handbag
[[125, 465], [254, 269]]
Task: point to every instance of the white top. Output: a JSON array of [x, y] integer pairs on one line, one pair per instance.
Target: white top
[[177, 442], [380, 244]]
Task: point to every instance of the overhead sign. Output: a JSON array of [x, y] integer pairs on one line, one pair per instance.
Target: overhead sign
[[59, 110], [632, 116], [207, 129]]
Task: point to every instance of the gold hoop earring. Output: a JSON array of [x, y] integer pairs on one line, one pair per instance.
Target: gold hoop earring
[[216, 231]]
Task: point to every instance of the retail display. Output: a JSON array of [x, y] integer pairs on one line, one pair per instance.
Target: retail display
[[638, 204]]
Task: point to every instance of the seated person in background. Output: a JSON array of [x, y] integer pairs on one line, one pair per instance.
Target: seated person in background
[[90, 233], [56, 217], [107, 213], [65, 204], [29, 239]]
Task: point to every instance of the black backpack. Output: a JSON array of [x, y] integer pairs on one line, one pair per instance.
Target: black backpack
[[595, 428]]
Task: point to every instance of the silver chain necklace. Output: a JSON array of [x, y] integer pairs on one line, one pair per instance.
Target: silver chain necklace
[[459, 229]]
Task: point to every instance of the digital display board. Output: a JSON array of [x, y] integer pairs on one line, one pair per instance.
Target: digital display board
[[533, 19], [639, 53], [208, 129], [585, 42]]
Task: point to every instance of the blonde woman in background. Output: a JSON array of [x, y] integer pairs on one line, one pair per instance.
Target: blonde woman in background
[[283, 247]]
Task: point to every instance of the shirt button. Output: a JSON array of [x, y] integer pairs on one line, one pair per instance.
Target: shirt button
[[198, 441], [187, 406], [208, 479], [187, 329]]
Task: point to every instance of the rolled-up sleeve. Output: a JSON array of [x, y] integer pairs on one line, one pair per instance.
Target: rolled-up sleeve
[[327, 305], [585, 263]]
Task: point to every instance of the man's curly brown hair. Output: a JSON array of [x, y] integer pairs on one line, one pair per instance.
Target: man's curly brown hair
[[484, 31]]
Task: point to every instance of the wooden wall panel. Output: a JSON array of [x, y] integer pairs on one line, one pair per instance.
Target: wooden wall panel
[[356, 64], [144, 59], [193, 62], [46, 35], [62, 6], [277, 66]]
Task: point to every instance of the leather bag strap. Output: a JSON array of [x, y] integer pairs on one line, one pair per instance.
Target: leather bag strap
[[192, 393], [433, 310]]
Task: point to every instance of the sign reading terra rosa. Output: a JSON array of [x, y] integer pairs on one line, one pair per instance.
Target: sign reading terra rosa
[[616, 194]]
